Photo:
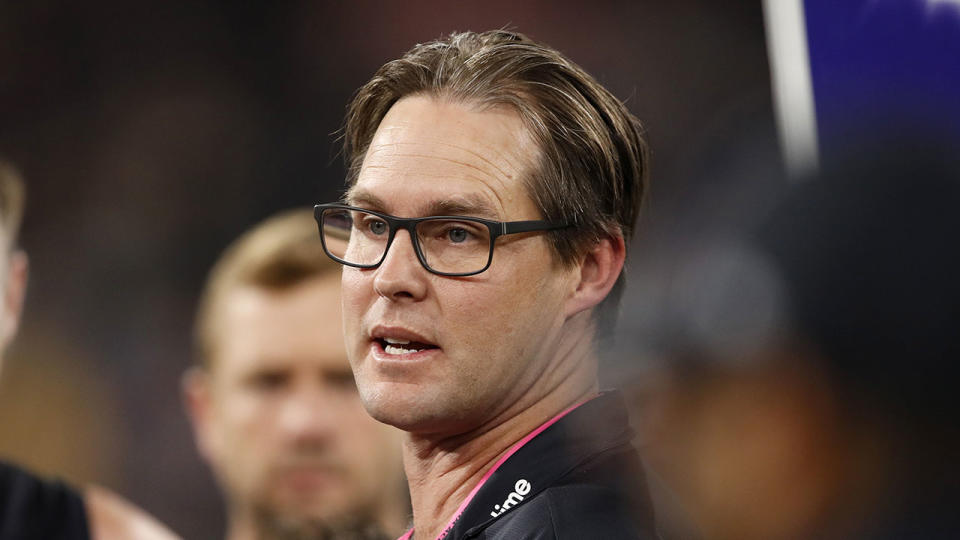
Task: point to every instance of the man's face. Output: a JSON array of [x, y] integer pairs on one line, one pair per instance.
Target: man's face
[[283, 425], [488, 341]]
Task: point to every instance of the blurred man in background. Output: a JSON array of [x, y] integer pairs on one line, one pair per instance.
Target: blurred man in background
[[31, 507], [493, 188], [273, 402], [815, 371]]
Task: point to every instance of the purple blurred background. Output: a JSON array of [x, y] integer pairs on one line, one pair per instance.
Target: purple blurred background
[[152, 133]]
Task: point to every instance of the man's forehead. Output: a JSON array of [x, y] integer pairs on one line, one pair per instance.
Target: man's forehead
[[439, 157], [460, 131]]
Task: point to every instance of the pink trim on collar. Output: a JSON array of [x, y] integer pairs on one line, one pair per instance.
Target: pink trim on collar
[[463, 506]]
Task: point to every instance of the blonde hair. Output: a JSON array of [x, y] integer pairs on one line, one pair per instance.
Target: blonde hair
[[279, 253]]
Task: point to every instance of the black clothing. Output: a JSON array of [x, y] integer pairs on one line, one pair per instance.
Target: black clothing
[[36, 509], [926, 510], [578, 478]]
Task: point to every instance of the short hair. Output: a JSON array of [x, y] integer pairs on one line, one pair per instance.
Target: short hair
[[278, 254], [12, 201], [594, 160]]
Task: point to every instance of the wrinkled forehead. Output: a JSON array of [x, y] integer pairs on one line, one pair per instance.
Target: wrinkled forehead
[[433, 155]]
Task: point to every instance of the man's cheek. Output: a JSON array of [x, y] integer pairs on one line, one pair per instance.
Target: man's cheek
[[353, 284]]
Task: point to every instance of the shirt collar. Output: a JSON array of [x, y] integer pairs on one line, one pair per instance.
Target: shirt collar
[[541, 458]]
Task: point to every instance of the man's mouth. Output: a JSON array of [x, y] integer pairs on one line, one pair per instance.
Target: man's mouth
[[310, 478], [395, 346], [399, 343]]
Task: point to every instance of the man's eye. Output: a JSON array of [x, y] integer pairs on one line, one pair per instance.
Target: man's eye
[[458, 235], [377, 227], [267, 380], [456, 232]]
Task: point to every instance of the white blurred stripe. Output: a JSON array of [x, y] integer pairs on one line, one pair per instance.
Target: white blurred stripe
[[933, 4], [792, 87]]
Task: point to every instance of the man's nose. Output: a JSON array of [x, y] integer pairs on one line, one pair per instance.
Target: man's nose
[[307, 415], [401, 276]]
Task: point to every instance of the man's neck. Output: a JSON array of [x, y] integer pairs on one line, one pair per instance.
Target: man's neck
[[443, 471]]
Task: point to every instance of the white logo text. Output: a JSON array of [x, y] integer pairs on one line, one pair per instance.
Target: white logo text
[[520, 490]]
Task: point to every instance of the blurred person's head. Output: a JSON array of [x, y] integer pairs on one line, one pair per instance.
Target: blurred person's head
[[13, 261], [814, 382], [496, 126], [273, 401]]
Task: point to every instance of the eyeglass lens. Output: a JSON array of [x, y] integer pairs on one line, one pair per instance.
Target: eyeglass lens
[[447, 245]]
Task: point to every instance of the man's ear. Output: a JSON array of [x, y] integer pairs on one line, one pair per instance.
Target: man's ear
[[598, 272], [15, 290], [198, 403]]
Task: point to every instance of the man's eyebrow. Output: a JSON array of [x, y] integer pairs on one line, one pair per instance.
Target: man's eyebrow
[[355, 197], [468, 205], [464, 205]]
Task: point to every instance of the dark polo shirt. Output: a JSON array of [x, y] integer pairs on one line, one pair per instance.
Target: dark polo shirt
[[32, 508], [577, 476]]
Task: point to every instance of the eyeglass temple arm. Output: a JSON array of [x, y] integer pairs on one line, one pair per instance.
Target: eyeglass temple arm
[[514, 227]]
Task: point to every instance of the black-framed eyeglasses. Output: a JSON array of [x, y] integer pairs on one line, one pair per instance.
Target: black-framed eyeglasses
[[446, 245]]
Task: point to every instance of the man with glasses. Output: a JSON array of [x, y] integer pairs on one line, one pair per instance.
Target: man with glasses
[[493, 188]]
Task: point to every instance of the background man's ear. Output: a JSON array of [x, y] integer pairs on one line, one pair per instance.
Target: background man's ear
[[599, 270], [15, 290], [197, 401]]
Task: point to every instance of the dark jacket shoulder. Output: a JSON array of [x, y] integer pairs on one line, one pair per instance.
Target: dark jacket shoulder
[[571, 512], [32, 507], [601, 491]]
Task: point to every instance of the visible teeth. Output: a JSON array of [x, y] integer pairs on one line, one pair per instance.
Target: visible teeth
[[397, 341], [390, 349]]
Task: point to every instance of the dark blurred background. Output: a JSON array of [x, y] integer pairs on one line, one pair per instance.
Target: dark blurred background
[[152, 133]]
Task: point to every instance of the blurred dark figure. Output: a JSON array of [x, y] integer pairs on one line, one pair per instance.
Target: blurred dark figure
[[273, 403], [812, 392], [31, 507]]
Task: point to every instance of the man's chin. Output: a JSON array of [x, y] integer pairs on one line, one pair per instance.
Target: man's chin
[[423, 419], [396, 409], [386, 402]]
